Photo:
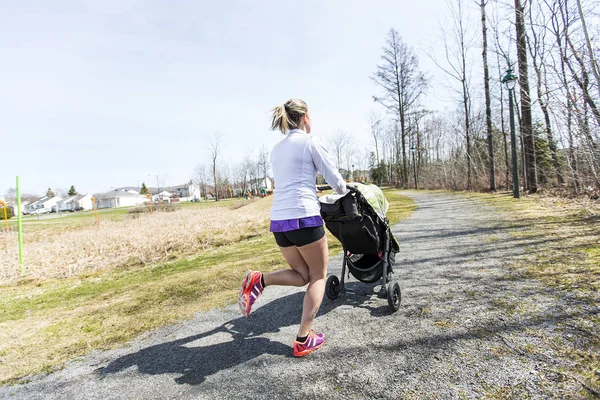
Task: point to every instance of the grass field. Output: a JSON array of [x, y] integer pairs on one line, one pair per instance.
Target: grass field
[[47, 322]]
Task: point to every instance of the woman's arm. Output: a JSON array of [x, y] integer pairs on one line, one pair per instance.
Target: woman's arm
[[325, 165]]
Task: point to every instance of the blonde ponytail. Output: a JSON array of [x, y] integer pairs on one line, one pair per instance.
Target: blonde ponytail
[[288, 115], [280, 119]]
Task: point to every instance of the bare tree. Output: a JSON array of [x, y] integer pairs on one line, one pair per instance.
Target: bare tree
[[254, 176], [537, 50], [457, 69], [215, 148], [243, 174], [374, 120], [488, 102], [199, 178], [402, 83], [61, 192], [338, 142], [264, 163], [11, 194], [503, 60], [526, 125], [593, 61]]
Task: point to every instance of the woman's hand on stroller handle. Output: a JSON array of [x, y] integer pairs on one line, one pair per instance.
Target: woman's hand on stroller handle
[[349, 188]]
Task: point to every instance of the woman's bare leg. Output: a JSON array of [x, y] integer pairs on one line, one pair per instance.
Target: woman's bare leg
[[297, 276], [316, 257]]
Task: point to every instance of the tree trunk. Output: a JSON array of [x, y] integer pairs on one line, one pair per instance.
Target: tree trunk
[[588, 43], [526, 123], [403, 173], [488, 108], [572, 158]]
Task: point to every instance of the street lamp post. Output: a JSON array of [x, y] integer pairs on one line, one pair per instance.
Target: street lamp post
[[412, 150], [510, 80]]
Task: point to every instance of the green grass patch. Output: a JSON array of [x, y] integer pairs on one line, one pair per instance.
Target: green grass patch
[[401, 207]]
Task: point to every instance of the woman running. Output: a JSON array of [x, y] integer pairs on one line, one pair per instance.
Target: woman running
[[296, 220]]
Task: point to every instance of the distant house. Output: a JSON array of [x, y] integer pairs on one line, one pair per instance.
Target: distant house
[[15, 208], [120, 198], [67, 204], [362, 175], [12, 204], [86, 202], [73, 202], [187, 190], [128, 189], [162, 196], [45, 203], [256, 184]]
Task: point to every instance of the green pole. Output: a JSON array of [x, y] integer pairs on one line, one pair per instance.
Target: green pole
[[20, 227]]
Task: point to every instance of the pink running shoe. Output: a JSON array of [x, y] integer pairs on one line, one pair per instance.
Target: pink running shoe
[[313, 342], [251, 289]]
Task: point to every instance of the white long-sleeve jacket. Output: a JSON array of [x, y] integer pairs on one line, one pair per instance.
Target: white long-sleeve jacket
[[296, 159]]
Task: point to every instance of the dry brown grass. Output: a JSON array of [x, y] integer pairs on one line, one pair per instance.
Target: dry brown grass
[[132, 242]]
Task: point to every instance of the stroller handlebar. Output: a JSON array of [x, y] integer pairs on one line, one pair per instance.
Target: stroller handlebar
[[349, 188]]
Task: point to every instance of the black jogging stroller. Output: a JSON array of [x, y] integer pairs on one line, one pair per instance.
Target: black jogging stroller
[[357, 219]]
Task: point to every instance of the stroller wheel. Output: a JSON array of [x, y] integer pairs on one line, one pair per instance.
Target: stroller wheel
[[332, 287], [394, 296]]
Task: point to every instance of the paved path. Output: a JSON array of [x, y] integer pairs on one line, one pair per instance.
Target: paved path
[[451, 338]]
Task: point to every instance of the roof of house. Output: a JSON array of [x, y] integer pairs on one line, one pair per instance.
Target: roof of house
[[68, 199], [113, 194], [176, 187], [40, 200], [125, 188], [55, 198]]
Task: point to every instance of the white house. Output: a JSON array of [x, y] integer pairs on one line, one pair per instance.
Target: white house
[[73, 202], [268, 183], [86, 202], [262, 183], [130, 189], [119, 198], [13, 205], [162, 196], [185, 191], [45, 203], [67, 204]]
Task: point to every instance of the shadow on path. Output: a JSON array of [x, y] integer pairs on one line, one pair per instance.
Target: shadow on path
[[239, 341]]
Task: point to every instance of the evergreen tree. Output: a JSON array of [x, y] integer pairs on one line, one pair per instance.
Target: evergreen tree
[[9, 213], [543, 155], [50, 193], [72, 191], [144, 189]]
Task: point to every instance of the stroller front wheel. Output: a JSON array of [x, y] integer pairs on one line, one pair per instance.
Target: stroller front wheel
[[332, 287], [394, 296]]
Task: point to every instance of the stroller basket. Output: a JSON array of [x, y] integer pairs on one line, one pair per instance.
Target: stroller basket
[[365, 267]]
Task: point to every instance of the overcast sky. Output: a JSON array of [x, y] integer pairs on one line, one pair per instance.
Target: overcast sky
[[99, 94]]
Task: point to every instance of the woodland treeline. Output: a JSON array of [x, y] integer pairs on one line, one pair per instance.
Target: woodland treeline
[[552, 47]]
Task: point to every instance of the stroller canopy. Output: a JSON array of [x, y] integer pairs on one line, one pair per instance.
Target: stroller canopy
[[373, 194]]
